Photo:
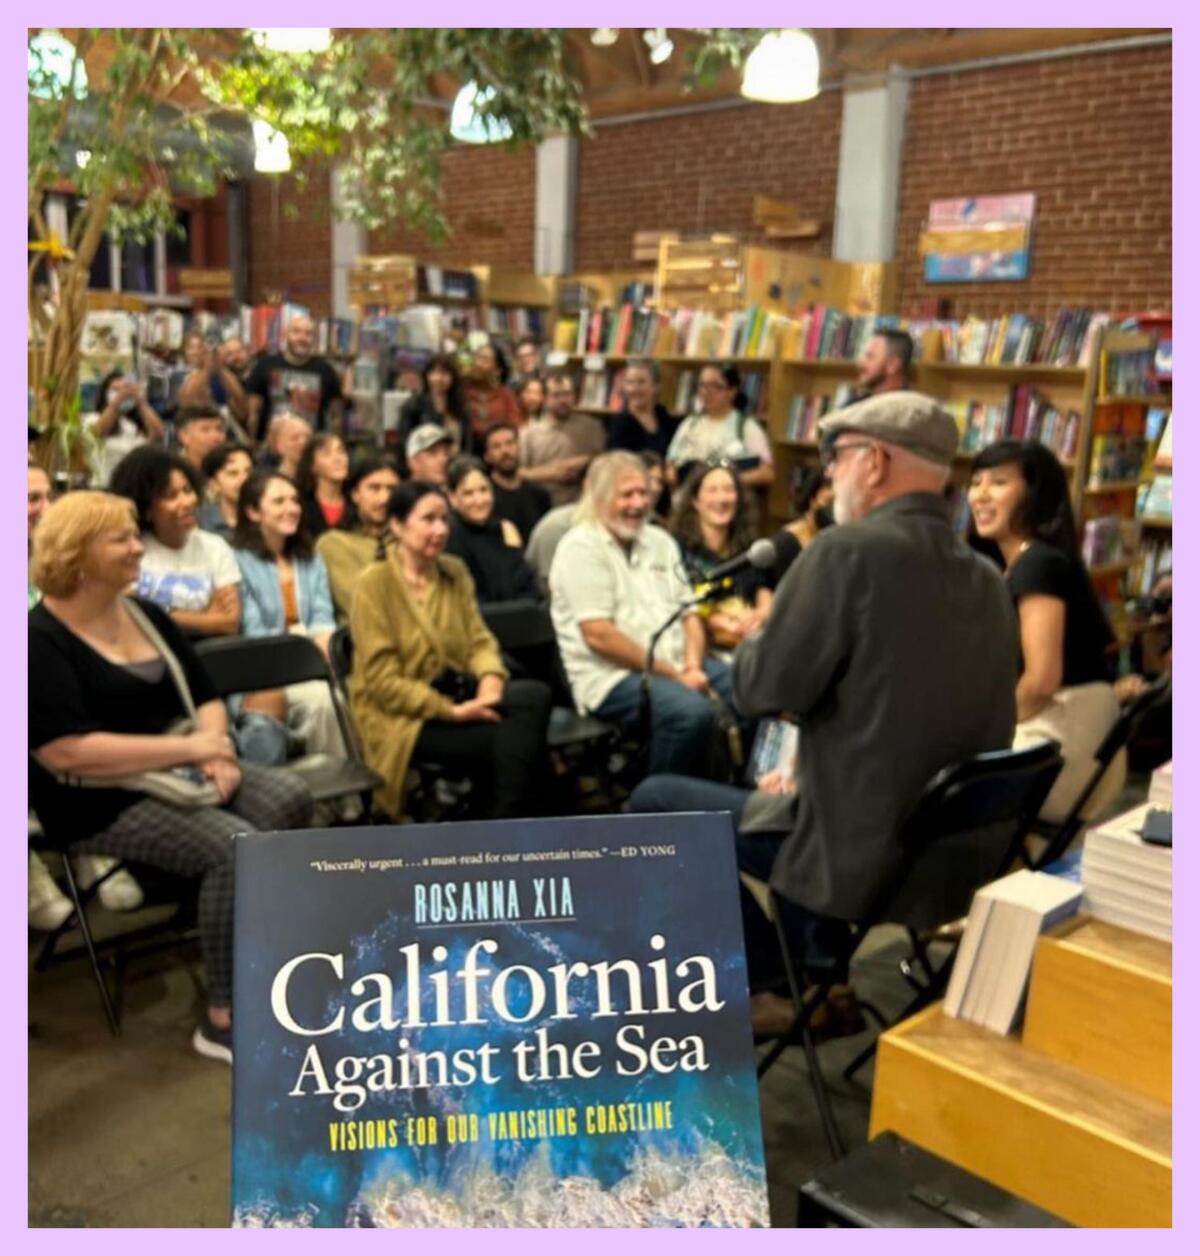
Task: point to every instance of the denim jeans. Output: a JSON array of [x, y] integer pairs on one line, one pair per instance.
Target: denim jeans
[[259, 739], [681, 720], [823, 944]]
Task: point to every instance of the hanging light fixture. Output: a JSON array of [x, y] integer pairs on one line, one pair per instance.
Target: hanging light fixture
[[294, 39], [272, 154], [53, 69], [659, 43], [467, 121], [783, 69], [605, 36]]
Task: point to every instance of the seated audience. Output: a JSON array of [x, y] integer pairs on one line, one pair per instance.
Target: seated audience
[[517, 500], [428, 454], [49, 907], [211, 381], [428, 681], [528, 354], [556, 449], [721, 430], [442, 402], [285, 588], [488, 400], [108, 704], [614, 582], [894, 647], [363, 536], [490, 547], [198, 431], [225, 471], [656, 477], [714, 520], [644, 422], [531, 397], [124, 420], [321, 479], [287, 436], [1021, 518], [191, 574]]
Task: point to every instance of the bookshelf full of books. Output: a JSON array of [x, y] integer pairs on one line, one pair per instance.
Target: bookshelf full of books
[[1126, 500], [1013, 377]]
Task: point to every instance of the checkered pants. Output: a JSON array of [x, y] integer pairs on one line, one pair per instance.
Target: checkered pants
[[193, 842]]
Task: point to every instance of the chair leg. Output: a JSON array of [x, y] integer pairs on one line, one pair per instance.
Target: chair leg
[[816, 1078], [110, 1012]]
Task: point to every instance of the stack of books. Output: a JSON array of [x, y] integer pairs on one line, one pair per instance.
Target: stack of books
[[991, 970], [804, 412], [1127, 880]]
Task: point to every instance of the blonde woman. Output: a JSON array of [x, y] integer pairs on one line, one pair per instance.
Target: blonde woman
[[111, 678]]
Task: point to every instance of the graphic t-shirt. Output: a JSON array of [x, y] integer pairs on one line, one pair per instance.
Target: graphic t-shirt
[[304, 390], [185, 579]]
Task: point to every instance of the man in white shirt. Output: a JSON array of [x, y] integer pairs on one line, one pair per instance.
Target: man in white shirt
[[614, 582]]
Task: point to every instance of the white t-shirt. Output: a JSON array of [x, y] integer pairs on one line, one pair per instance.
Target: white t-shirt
[[699, 438], [185, 579], [124, 436], [593, 577]]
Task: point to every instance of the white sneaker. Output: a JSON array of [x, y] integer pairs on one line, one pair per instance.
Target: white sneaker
[[119, 893], [49, 907]]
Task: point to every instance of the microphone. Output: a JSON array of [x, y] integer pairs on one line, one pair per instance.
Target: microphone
[[766, 554]]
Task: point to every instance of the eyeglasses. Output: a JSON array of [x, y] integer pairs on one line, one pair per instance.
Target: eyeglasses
[[712, 385], [832, 453]]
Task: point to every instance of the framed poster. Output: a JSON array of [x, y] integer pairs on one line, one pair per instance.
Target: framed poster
[[517, 1023], [977, 239]]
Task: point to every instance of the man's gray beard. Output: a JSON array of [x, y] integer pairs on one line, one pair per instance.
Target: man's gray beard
[[846, 506]]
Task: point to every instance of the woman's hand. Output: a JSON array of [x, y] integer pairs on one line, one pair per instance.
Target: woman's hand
[[694, 678], [206, 746], [775, 783], [226, 776], [490, 690], [476, 711]]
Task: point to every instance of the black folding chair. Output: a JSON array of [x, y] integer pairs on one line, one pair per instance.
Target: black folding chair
[[110, 955], [254, 664], [525, 626], [1060, 836], [964, 832]]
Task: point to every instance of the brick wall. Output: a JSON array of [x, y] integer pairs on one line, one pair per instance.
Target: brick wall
[[1091, 136], [290, 254], [488, 200], [700, 173]]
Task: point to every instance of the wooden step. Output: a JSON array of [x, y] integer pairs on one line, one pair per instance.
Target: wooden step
[[1090, 1151], [1100, 999]]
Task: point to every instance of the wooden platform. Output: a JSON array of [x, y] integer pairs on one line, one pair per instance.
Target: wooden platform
[[1100, 999], [1074, 1115]]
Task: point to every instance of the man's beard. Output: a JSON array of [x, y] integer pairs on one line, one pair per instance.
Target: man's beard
[[847, 502]]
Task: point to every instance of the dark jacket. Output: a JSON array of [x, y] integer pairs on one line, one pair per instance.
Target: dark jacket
[[895, 646], [499, 570]]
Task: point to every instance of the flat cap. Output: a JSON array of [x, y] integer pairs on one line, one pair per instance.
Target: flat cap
[[908, 419], [425, 437]]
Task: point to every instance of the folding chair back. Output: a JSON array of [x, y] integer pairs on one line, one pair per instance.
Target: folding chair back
[[1133, 715]]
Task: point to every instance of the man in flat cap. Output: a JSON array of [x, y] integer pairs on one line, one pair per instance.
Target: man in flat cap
[[895, 648]]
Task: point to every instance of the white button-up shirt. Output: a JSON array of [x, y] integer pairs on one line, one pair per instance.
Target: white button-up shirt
[[593, 576]]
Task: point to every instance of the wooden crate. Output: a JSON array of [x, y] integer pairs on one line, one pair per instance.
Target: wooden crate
[[388, 281]]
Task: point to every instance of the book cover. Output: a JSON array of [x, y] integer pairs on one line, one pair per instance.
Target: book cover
[[535, 1023]]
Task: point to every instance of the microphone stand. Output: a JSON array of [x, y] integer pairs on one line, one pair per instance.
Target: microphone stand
[[710, 591]]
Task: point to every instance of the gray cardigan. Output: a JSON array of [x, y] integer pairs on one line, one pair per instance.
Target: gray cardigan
[[895, 646]]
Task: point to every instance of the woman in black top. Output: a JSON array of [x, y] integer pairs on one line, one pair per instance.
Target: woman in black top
[[1021, 517], [644, 424], [321, 479], [713, 520], [443, 402], [103, 701], [491, 547]]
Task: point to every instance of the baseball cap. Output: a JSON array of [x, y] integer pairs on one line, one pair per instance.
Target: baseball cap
[[425, 437]]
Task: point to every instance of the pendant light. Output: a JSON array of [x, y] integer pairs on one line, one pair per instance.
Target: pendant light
[[785, 68]]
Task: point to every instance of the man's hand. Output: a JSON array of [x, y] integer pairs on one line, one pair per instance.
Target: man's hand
[[775, 783], [694, 678]]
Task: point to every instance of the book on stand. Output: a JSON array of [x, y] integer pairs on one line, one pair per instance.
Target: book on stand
[[1127, 880]]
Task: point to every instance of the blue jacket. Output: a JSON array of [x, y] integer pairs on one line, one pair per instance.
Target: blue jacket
[[262, 603]]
